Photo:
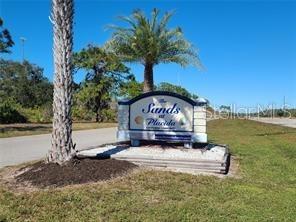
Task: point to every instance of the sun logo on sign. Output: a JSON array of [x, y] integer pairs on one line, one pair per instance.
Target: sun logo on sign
[[139, 120]]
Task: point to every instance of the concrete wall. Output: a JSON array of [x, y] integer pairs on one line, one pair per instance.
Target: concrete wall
[[199, 119], [123, 117], [123, 123]]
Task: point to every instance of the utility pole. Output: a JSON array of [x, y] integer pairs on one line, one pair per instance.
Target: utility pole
[[23, 39], [284, 106]]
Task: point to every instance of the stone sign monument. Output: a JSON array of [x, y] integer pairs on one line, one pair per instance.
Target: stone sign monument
[[162, 116], [169, 117]]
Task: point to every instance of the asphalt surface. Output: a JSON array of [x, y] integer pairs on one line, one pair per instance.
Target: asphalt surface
[[278, 121], [16, 150]]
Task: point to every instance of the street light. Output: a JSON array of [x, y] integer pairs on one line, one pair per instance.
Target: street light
[[23, 39]]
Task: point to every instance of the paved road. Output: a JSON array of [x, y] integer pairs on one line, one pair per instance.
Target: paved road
[[278, 121], [16, 150]]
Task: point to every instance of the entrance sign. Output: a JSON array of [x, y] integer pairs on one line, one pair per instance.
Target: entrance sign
[[161, 115]]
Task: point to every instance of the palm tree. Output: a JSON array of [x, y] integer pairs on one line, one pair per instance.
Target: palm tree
[[150, 42], [62, 148]]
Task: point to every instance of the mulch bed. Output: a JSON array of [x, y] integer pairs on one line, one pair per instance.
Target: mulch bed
[[73, 172]]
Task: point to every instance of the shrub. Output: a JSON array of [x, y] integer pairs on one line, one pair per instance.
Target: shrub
[[10, 114], [81, 114], [109, 115], [47, 112], [37, 114]]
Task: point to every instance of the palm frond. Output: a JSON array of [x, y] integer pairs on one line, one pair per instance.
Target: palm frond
[[149, 40], [164, 21], [154, 16], [128, 19]]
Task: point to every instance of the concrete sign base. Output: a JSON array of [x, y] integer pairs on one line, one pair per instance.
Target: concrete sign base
[[211, 159]]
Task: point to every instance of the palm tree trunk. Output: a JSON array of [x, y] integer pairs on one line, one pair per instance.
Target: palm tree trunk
[[148, 78], [62, 148]]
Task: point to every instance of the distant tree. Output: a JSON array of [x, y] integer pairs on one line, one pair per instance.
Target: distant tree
[[280, 112], [150, 42], [24, 83], [165, 86], [6, 41], [131, 89], [62, 148], [104, 75], [194, 96], [98, 62], [94, 97], [225, 108]]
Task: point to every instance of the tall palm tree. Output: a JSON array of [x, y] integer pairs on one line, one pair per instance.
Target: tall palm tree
[[62, 148], [150, 42]]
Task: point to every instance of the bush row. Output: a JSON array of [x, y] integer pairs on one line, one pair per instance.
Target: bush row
[[12, 112]]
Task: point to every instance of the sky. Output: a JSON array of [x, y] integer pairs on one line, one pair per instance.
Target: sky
[[248, 48]]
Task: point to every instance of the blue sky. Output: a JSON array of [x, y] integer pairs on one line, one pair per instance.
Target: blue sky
[[247, 47]]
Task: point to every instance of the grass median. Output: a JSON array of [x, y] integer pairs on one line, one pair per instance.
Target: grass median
[[264, 190], [26, 129]]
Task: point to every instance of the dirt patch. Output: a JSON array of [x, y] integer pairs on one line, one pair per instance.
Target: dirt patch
[[234, 168], [74, 172]]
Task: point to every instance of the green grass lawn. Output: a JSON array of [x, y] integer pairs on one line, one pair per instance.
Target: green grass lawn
[[265, 190], [25, 129]]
